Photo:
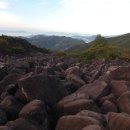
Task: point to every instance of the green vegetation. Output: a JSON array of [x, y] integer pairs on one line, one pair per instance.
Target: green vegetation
[[97, 50], [122, 41], [14, 45], [60, 53], [100, 49]]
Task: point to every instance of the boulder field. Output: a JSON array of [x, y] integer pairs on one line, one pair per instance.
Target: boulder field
[[46, 92]]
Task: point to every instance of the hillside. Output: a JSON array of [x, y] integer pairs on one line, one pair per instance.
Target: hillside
[[54, 42], [15, 45], [122, 41]]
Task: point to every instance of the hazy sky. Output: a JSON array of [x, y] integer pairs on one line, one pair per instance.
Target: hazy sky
[[107, 17]]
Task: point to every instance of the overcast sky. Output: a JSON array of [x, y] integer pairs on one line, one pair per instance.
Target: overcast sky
[[106, 17]]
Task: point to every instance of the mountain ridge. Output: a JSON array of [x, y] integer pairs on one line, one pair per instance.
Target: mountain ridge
[[54, 42]]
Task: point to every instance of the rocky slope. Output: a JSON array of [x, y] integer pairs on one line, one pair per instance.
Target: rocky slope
[[45, 92]]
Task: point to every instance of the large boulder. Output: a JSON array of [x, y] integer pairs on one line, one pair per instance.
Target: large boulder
[[78, 105], [5, 128], [117, 73], [73, 74], [9, 90], [20, 96], [22, 64], [124, 102], [98, 116], [95, 73], [118, 87], [109, 106], [3, 71], [76, 102], [43, 87], [73, 97], [9, 79], [75, 70], [3, 117], [95, 90], [93, 127], [75, 122], [62, 65], [118, 121], [111, 97], [70, 87], [11, 106], [23, 124], [34, 110], [121, 73]]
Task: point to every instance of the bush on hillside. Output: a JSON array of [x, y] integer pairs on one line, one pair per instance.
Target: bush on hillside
[[60, 53], [99, 50]]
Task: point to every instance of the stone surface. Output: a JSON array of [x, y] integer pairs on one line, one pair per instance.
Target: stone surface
[[95, 90], [118, 121], [93, 127], [108, 106], [98, 116], [23, 124], [3, 117], [43, 87], [124, 102], [118, 87], [5, 128], [34, 110], [75, 122], [9, 79], [11, 106]]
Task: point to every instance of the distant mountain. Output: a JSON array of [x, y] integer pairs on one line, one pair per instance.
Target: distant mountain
[[54, 42], [15, 45]]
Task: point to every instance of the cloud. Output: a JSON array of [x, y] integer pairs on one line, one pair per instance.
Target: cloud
[[9, 20], [4, 4], [91, 16]]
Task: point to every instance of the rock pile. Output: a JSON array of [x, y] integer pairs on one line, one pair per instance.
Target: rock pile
[[45, 92]]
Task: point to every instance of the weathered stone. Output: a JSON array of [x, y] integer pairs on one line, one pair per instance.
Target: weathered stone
[[73, 74], [43, 87], [11, 106], [3, 117], [35, 110], [70, 87], [95, 90], [9, 79], [23, 124], [109, 97], [5, 128], [76, 102], [118, 87], [98, 116], [62, 65], [108, 106], [75, 122], [124, 102], [93, 127], [118, 121], [20, 96]]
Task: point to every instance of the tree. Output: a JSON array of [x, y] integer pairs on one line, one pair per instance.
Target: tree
[[99, 50]]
